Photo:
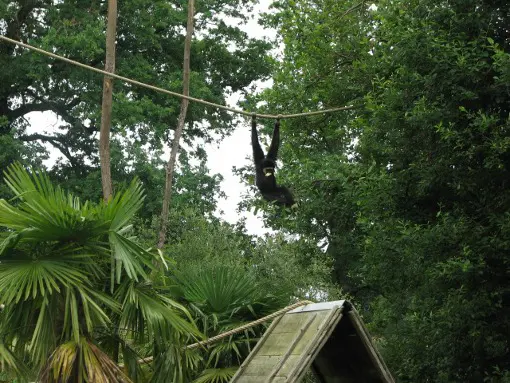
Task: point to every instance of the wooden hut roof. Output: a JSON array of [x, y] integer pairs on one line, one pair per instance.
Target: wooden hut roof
[[329, 338]]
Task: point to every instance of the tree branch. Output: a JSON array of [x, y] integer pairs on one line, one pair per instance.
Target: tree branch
[[42, 137], [58, 142], [42, 106], [27, 108]]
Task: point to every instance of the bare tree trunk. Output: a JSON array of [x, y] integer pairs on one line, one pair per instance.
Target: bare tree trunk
[[106, 108], [180, 126]]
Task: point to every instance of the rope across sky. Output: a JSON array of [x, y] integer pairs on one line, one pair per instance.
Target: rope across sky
[[165, 91]]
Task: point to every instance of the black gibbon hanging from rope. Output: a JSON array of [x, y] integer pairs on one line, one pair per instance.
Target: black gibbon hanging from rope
[[265, 167]]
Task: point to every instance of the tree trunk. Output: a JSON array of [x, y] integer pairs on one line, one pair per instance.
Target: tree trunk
[[106, 108], [180, 126]]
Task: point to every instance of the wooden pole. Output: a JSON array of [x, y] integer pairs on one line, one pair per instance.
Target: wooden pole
[[106, 107], [180, 127]]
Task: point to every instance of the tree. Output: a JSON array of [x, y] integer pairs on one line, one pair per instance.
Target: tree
[[220, 298], [409, 191], [180, 125], [193, 184], [74, 285], [228, 279], [149, 48]]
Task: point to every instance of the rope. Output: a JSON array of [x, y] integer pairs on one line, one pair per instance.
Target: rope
[[247, 325], [236, 330], [169, 92]]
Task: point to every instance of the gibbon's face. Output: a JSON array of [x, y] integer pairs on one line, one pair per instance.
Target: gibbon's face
[[268, 167]]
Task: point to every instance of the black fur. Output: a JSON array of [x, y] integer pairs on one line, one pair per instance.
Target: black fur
[[265, 167]]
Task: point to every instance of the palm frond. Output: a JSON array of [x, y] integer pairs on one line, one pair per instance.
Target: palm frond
[[56, 254], [44, 336], [48, 211], [131, 365], [81, 361], [8, 241], [145, 310], [216, 375], [175, 364], [11, 364], [131, 256], [220, 288], [234, 348], [21, 280], [220, 298], [123, 206]]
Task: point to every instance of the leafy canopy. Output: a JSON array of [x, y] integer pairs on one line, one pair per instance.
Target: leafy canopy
[[69, 276]]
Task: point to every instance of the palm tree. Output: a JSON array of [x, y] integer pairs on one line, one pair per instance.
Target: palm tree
[[220, 298], [75, 287]]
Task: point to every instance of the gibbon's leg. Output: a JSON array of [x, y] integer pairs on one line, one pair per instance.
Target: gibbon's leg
[[286, 196], [280, 196]]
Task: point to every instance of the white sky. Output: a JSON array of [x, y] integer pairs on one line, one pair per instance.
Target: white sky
[[237, 146]]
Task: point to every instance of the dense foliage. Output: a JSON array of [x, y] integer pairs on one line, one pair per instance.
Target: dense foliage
[[149, 49], [410, 190], [74, 285], [404, 201]]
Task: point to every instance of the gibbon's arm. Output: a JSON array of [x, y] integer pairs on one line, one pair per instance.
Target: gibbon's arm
[[275, 142], [258, 153]]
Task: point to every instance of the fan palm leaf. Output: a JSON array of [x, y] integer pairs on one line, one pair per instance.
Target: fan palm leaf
[[174, 364], [221, 298], [216, 375], [81, 361], [144, 310], [47, 211], [220, 289], [11, 362], [56, 254]]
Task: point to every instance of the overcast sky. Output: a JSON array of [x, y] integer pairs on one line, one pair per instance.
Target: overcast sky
[[237, 146]]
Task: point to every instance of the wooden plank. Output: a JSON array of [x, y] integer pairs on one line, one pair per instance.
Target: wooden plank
[[261, 365], [292, 322], [255, 350], [269, 352], [289, 365], [278, 343], [248, 379], [298, 373], [291, 347], [311, 335], [309, 354]]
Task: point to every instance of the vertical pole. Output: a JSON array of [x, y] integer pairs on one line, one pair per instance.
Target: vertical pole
[[180, 127], [106, 107]]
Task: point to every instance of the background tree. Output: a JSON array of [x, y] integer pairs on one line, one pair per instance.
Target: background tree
[[409, 192], [149, 48]]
